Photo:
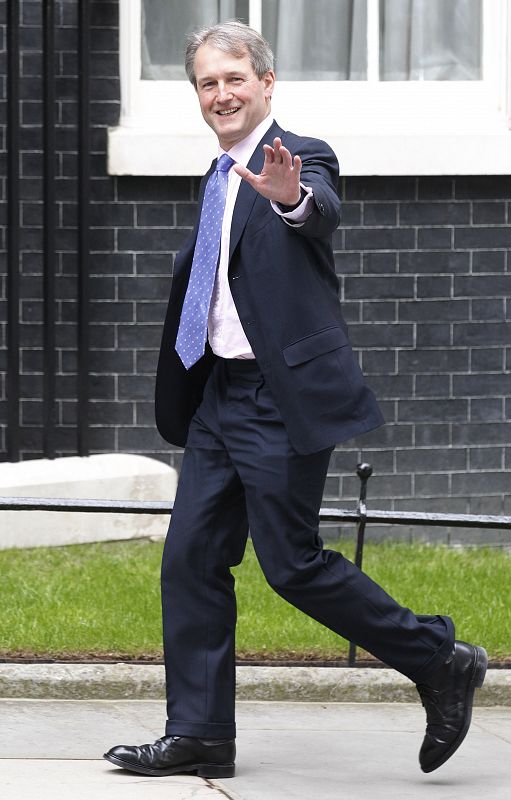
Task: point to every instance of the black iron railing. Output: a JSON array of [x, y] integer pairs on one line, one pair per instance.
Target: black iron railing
[[361, 516], [49, 262]]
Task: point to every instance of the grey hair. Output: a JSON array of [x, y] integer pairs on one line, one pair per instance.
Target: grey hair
[[232, 37]]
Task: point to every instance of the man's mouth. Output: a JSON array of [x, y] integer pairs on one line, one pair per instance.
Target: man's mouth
[[227, 112]]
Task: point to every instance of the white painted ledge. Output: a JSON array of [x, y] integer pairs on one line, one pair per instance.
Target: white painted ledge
[[114, 476], [139, 151]]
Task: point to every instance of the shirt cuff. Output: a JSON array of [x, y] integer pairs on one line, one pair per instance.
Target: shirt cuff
[[298, 215]]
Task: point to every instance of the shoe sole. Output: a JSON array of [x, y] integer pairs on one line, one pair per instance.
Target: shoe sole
[[476, 681], [202, 770]]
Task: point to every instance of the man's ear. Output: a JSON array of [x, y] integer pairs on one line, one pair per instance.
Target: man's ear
[[269, 83]]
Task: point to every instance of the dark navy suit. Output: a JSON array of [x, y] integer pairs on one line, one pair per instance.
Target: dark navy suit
[[258, 438]]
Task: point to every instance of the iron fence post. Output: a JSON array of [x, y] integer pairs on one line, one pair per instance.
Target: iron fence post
[[364, 472]]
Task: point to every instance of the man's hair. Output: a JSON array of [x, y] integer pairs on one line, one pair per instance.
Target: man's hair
[[232, 37]]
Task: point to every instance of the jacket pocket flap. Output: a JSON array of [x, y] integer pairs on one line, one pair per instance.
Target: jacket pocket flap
[[314, 345]]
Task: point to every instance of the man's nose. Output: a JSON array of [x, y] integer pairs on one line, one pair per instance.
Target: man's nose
[[224, 93]]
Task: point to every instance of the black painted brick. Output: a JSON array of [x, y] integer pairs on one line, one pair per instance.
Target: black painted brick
[[377, 263], [438, 434], [487, 409], [483, 433], [493, 213], [431, 310], [376, 362], [486, 458], [487, 359], [483, 237], [489, 261], [346, 263], [434, 286], [379, 188], [434, 213], [432, 410], [493, 309], [387, 286], [483, 483], [380, 213], [380, 312], [434, 335], [382, 335], [432, 385], [351, 214], [151, 239], [487, 187], [431, 484], [380, 239], [434, 238], [480, 333], [417, 361], [143, 288], [434, 460], [153, 189], [483, 286], [392, 386]]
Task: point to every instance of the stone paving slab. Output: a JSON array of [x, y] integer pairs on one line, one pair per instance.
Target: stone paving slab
[[86, 780], [51, 750]]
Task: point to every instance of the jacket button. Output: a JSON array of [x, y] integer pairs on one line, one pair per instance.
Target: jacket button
[[234, 277], [321, 208]]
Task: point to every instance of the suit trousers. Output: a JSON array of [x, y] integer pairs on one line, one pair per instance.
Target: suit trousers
[[240, 473]]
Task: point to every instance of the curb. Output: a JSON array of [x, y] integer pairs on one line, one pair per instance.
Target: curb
[[304, 684]]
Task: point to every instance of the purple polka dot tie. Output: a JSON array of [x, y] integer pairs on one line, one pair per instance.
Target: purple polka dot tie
[[193, 324]]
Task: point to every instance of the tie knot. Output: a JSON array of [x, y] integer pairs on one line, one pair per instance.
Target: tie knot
[[224, 163]]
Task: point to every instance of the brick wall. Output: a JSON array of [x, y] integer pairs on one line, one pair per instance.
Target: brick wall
[[425, 278]]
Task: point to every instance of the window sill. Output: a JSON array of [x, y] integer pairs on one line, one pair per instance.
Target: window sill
[[138, 151]]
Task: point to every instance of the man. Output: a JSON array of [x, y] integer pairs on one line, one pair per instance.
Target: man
[[257, 379]]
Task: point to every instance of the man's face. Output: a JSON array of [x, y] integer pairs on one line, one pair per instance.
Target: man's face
[[233, 100]]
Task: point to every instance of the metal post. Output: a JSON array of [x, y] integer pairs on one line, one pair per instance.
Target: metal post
[[83, 228], [364, 472], [50, 360], [13, 231]]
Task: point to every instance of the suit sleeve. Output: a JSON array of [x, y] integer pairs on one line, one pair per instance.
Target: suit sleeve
[[320, 171]]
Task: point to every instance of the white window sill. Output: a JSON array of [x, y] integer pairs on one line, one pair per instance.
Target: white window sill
[[137, 151]]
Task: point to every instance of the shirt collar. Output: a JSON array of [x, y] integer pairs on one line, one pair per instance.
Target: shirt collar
[[242, 151]]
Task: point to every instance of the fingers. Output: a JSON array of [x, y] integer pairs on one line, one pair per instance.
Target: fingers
[[282, 154], [278, 154], [246, 174], [268, 153]]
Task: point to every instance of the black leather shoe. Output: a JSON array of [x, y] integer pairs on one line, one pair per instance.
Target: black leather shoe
[[447, 699], [209, 758]]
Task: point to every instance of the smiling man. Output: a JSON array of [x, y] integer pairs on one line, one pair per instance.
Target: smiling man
[[257, 381]]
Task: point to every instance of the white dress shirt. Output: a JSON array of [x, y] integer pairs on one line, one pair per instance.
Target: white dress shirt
[[225, 331]]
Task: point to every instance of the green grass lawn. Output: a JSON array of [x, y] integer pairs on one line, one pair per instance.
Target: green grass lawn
[[103, 599]]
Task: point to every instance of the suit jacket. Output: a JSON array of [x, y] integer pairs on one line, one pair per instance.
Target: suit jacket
[[284, 286]]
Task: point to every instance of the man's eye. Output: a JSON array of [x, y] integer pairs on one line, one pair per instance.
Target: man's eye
[[236, 80]]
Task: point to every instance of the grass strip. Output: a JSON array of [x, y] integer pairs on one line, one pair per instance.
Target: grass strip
[[103, 599]]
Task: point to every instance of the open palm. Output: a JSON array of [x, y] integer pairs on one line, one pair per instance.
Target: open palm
[[279, 179]]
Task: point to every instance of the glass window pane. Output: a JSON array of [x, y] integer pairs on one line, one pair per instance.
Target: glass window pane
[[430, 40], [324, 40], [165, 25]]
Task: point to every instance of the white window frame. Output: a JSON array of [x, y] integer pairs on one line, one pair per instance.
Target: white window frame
[[375, 127]]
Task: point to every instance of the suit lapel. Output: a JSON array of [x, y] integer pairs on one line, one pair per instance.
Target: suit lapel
[[246, 194], [185, 255]]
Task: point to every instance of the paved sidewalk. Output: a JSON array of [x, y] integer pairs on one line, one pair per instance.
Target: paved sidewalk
[[51, 750]]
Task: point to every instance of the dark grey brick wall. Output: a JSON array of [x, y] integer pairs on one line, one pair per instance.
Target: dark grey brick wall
[[425, 279]]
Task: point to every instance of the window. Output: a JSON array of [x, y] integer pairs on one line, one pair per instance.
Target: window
[[396, 86]]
